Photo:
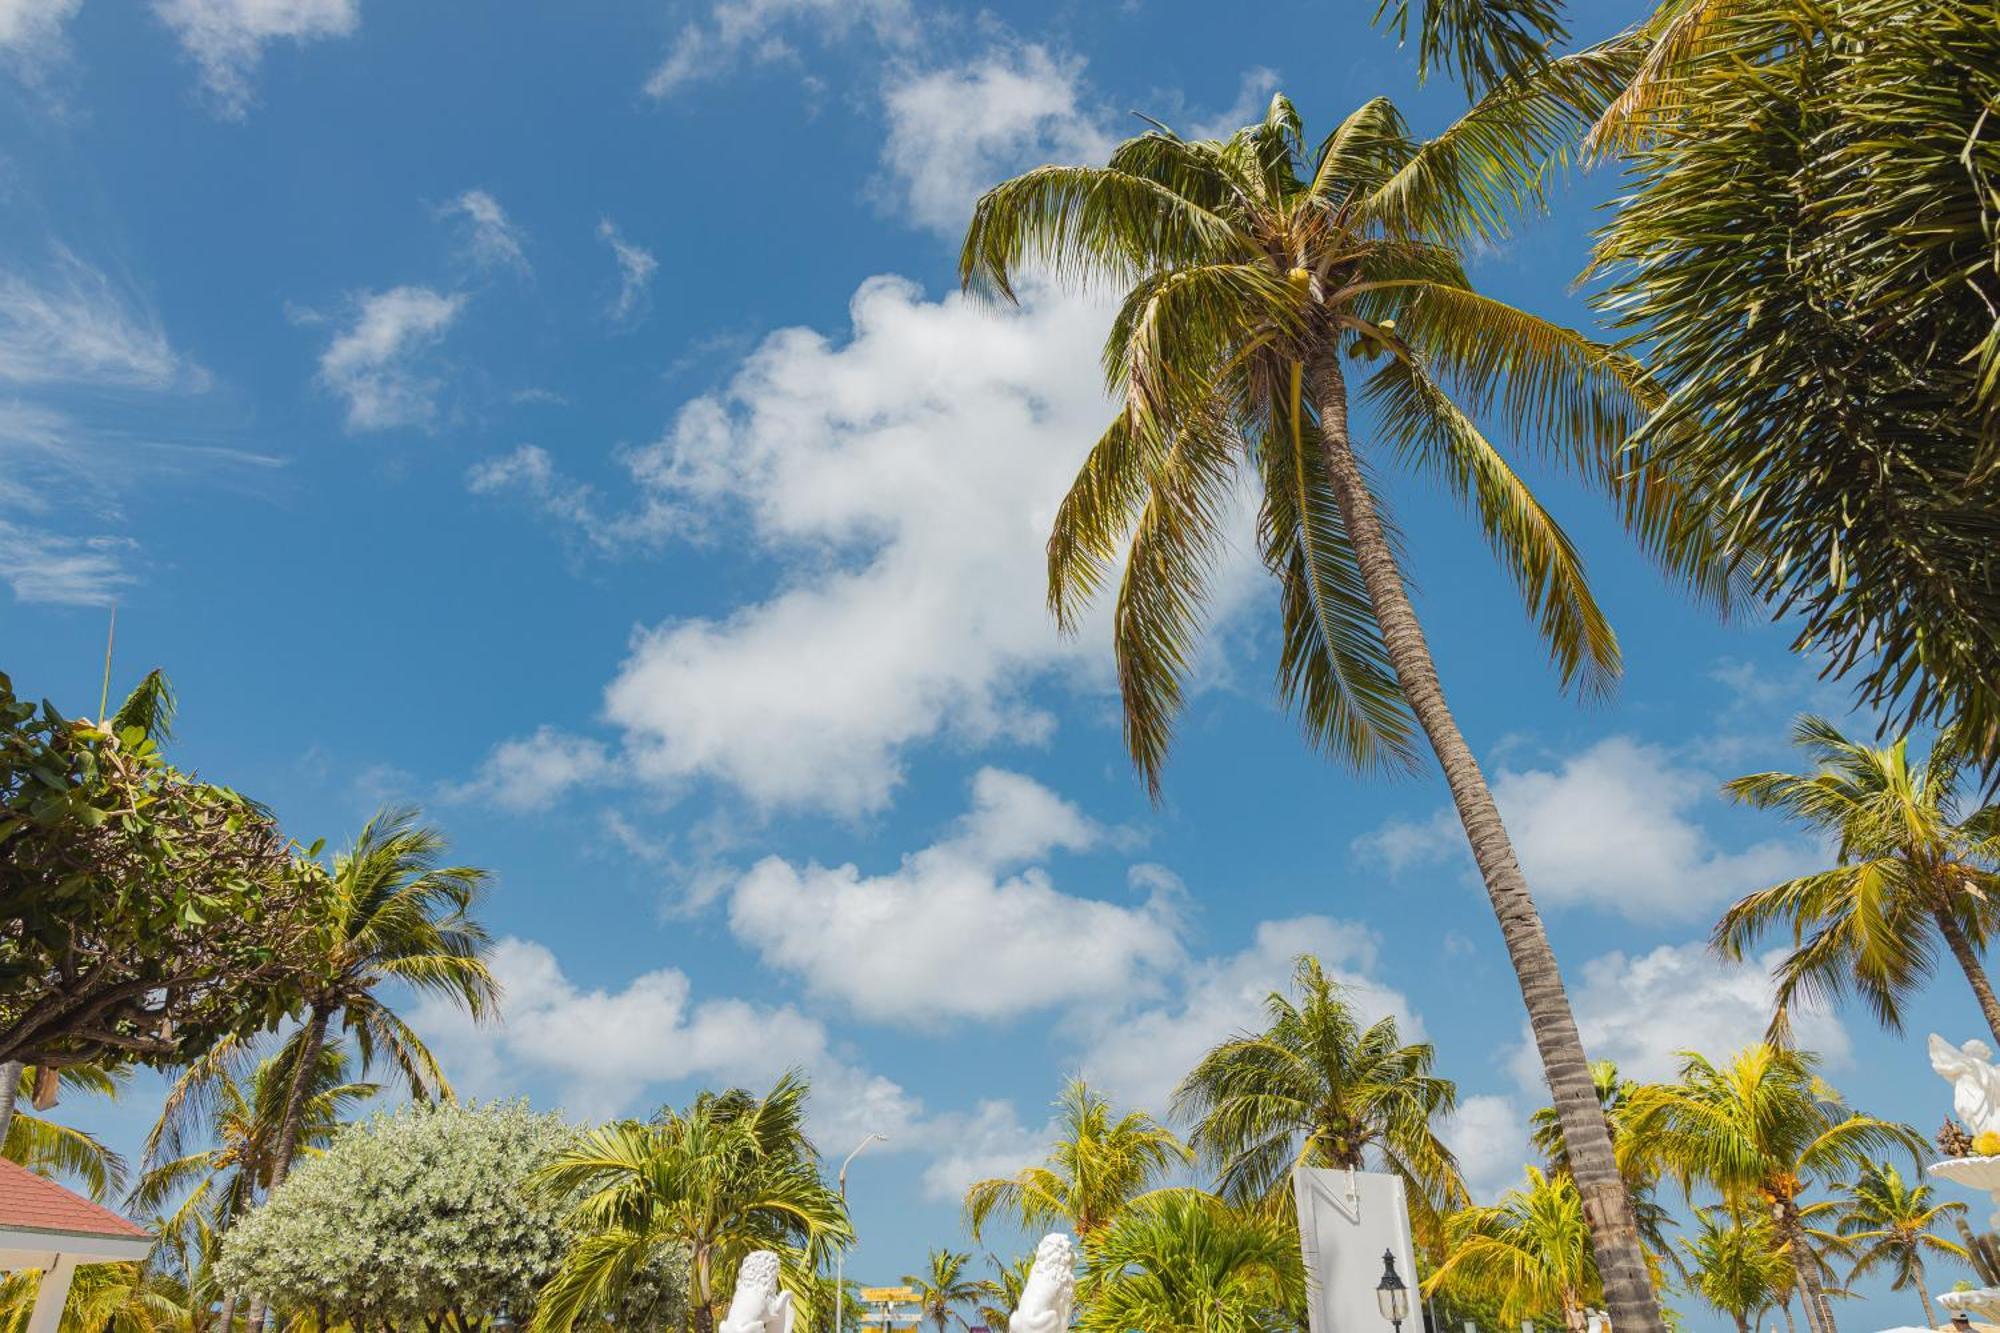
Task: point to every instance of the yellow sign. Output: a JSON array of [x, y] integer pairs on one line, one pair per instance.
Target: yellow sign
[[887, 1295]]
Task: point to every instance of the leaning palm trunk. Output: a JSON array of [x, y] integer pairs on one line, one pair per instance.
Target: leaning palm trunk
[[10, 1088], [226, 1321], [1621, 1262], [1805, 1266], [313, 1041], [1968, 959]]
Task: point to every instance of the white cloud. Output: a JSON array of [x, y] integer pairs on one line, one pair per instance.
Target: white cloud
[[1489, 1136], [1253, 99], [42, 566], [951, 933], [373, 364], [1643, 1010], [492, 239], [739, 30], [954, 132], [1615, 827], [636, 267], [989, 1142], [529, 772], [227, 37], [73, 325], [1139, 1054], [31, 31]]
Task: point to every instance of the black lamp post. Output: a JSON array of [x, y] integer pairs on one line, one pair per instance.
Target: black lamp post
[[502, 1321], [1391, 1296]]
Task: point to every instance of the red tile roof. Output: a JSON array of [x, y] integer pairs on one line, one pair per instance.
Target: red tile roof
[[36, 1203]]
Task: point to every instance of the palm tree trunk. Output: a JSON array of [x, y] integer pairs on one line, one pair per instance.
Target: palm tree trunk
[[1614, 1231], [10, 1088], [1786, 1306], [1924, 1295], [287, 1146], [1968, 960], [226, 1321], [1805, 1267]]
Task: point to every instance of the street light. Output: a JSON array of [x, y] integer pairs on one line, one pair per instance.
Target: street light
[[503, 1322], [1392, 1298], [840, 1259]]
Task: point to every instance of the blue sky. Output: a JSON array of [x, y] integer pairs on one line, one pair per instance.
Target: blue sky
[[564, 420]]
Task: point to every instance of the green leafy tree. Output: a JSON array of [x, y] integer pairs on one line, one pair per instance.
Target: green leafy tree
[[944, 1288], [424, 1218], [1889, 1224], [147, 915], [1258, 273], [1761, 1131], [103, 1298], [1100, 1162], [731, 1174], [1318, 1087], [51, 1148], [1735, 1266], [1915, 864], [1530, 1253], [1183, 1261]]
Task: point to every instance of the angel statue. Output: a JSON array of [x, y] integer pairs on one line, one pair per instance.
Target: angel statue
[[1975, 1083], [1050, 1291], [758, 1306]]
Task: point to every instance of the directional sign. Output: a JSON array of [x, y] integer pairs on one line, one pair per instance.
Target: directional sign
[[888, 1295]]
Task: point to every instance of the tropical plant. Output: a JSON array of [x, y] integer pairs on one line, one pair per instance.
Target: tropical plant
[[1256, 272], [1889, 1224], [731, 1174], [1100, 1162], [943, 1287], [103, 1298], [1530, 1252], [1735, 1265], [1915, 863], [1000, 1295], [1318, 1087], [1614, 1095], [147, 915], [55, 1149], [1184, 1261], [425, 1217], [1761, 1131]]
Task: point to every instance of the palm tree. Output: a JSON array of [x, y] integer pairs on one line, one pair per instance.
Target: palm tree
[[1736, 1267], [944, 1288], [1914, 865], [1530, 1253], [731, 1174], [1100, 1162], [1254, 270], [103, 1298], [1000, 1295], [1890, 1223], [1614, 1097], [1317, 1088], [53, 1149], [1761, 1131], [1184, 1260]]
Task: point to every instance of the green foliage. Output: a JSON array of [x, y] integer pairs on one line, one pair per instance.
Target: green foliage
[[1182, 1261], [944, 1287], [1100, 1162], [421, 1213], [147, 915], [51, 1148], [1530, 1253], [1889, 1226], [103, 1298], [1808, 255], [1736, 1265], [1317, 1088], [1478, 42]]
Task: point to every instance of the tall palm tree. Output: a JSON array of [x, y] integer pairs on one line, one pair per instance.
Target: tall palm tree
[[1761, 1131], [1530, 1254], [1915, 863], [1259, 272], [1614, 1097], [731, 1174], [1890, 1224], [54, 1149], [1735, 1266], [1318, 1088], [1000, 1295], [1184, 1260], [944, 1287], [1100, 1162]]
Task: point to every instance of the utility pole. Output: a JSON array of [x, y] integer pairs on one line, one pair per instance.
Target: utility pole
[[840, 1260]]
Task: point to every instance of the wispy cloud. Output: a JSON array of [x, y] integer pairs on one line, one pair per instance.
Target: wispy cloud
[[376, 364], [636, 267], [492, 239], [226, 38], [761, 30], [31, 33], [71, 324], [44, 566]]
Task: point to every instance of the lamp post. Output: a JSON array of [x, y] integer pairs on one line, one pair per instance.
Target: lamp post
[[1392, 1298], [840, 1260], [503, 1320]]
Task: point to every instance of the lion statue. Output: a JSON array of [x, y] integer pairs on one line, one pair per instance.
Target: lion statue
[[758, 1306], [1050, 1292]]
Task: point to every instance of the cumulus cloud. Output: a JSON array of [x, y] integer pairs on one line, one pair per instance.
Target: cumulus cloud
[[71, 324], [375, 365], [734, 31], [1616, 827], [1489, 1136], [528, 772], [953, 132], [31, 31], [226, 38], [1140, 1053], [970, 936], [492, 240], [1642, 1010], [636, 267], [44, 566]]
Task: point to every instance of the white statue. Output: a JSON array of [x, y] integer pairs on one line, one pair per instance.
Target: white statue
[[1975, 1093], [1050, 1292], [758, 1306]]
